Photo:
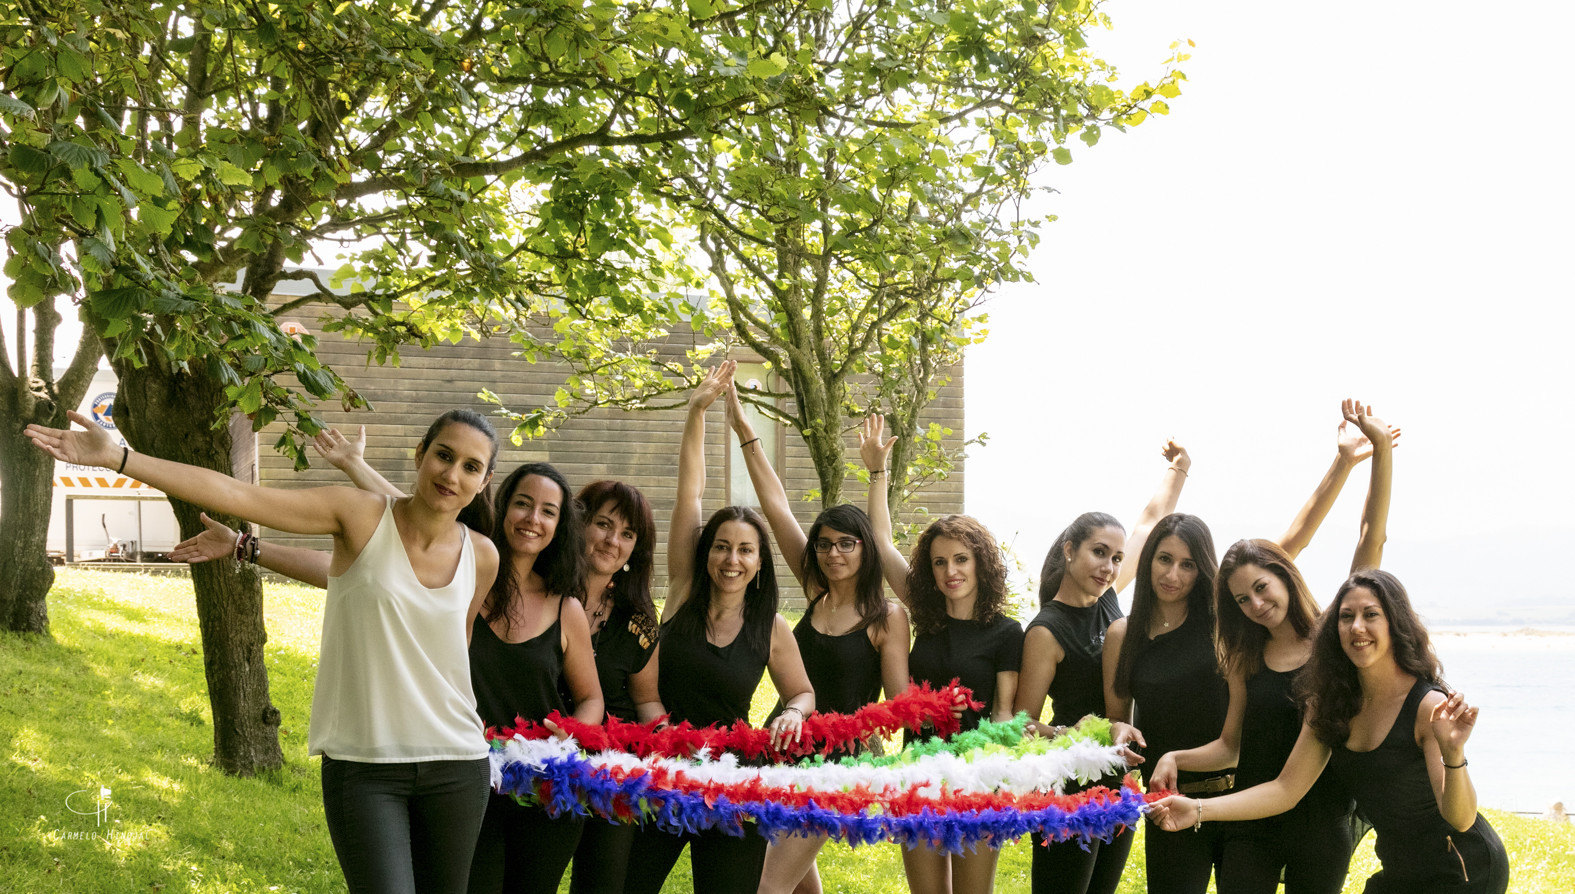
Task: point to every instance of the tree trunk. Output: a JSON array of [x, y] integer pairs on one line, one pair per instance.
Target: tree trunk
[[25, 503], [170, 414]]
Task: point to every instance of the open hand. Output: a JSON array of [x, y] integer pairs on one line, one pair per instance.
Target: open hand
[[217, 541], [91, 447], [874, 447], [718, 380], [1373, 428], [340, 451], [1452, 721], [1352, 440]]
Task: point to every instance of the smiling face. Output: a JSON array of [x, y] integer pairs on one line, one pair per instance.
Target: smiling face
[[531, 517], [609, 540], [734, 557], [1091, 566], [835, 564], [1173, 570], [1364, 628], [1261, 595], [453, 468], [953, 564]]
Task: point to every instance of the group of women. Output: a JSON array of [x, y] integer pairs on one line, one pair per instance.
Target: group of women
[[446, 616]]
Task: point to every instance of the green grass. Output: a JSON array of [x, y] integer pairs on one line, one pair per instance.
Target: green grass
[[118, 700]]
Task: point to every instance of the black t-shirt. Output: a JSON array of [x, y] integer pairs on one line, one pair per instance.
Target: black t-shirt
[[623, 647], [1178, 693], [1079, 684], [971, 651]]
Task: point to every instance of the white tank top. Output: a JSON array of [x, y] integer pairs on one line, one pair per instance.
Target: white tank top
[[393, 674]]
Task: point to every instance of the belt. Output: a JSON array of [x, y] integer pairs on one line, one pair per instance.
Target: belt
[[1209, 786]]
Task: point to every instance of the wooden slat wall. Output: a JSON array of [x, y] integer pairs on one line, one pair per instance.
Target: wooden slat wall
[[640, 448]]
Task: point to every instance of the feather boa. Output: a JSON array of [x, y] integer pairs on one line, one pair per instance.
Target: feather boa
[[988, 786]]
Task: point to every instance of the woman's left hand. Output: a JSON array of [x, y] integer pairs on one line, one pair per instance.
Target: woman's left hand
[[1176, 455], [1129, 737], [1174, 813], [1452, 721], [787, 728]]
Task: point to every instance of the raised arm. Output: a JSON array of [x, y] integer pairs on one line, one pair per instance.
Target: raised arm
[[1160, 505], [349, 456], [320, 510], [768, 488], [875, 451], [1274, 797], [219, 541], [1352, 447], [684, 526], [1375, 513]]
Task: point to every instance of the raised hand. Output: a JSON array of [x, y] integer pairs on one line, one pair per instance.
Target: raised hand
[[340, 451], [91, 447], [1174, 813], [217, 541], [1176, 455], [718, 380], [736, 419], [1362, 415], [1352, 443], [1452, 721], [874, 447]]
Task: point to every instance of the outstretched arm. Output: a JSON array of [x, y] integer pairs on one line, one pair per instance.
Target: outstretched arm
[[1352, 447], [1160, 505], [320, 510], [349, 456], [875, 451], [685, 524], [1375, 514], [1280, 794], [218, 541], [768, 489]]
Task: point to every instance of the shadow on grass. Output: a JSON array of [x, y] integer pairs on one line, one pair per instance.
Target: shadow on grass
[[108, 708]]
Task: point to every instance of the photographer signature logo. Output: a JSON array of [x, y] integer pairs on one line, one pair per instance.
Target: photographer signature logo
[[86, 803]]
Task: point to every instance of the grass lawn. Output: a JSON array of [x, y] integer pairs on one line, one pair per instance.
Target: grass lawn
[[117, 700]]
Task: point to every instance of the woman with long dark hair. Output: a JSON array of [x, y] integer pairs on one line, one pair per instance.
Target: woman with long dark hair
[[1063, 655], [720, 634], [1382, 722], [1264, 614], [853, 640], [405, 769], [955, 589]]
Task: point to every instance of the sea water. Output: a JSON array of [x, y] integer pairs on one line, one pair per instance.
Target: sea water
[[1522, 751]]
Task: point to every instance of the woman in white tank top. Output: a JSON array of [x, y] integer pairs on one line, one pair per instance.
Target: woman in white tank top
[[405, 773]]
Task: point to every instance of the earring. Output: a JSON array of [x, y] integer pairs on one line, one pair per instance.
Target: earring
[[626, 566]]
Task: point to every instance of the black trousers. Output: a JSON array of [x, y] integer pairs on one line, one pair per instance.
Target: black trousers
[[522, 850], [405, 828], [1180, 862], [722, 863], [602, 859], [1066, 867]]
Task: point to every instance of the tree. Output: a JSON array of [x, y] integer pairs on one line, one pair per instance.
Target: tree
[[847, 233], [193, 154]]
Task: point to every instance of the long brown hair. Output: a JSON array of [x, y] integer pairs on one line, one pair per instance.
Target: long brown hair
[[1239, 640], [926, 601], [1330, 687], [869, 594], [561, 563], [760, 600], [478, 513], [1200, 543], [631, 589]]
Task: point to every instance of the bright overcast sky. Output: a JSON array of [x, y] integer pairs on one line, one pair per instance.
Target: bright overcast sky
[[1370, 201]]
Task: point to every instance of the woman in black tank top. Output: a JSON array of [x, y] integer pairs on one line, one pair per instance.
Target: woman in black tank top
[[1377, 704], [1265, 614], [853, 640], [720, 633], [1063, 659]]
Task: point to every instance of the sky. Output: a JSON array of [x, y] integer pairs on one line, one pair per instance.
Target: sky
[[1365, 201]]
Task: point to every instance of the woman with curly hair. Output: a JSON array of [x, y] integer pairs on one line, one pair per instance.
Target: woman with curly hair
[[955, 589], [1062, 659], [1385, 725]]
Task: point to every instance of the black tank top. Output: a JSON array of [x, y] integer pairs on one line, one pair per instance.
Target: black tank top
[[1179, 696], [623, 647], [706, 684], [1079, 684], [516, 679], [844, 670], [1268, 733], [1419, 849]]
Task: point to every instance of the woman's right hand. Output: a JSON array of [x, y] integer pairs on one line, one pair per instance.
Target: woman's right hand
[[217, 541], [1163, 776], [340, 451], [1176, 455], [1174, 813], [1351, 441], [716, 382], [874, 447], [91, 447], [1372, 427]]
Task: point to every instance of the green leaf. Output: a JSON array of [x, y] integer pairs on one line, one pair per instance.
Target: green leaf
[[230, 175], [1062, 155], [13, 106], [77, 155], [29, 160], [140, 178], [766, 68]]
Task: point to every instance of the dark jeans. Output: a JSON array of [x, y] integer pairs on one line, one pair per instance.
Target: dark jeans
[[1314, 853], [405, 828], [602, 858], [522, 850], [1066, 867], [722, 864]]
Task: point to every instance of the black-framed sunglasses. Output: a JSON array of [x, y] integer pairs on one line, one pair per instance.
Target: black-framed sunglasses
[[845, 545]]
